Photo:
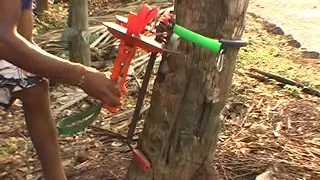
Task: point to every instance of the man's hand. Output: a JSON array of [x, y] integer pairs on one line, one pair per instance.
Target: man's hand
[[97, 85]]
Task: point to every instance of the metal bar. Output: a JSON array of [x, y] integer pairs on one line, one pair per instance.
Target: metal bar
[[142, 92]]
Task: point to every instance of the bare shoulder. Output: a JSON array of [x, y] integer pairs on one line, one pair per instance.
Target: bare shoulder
[[9, 14]]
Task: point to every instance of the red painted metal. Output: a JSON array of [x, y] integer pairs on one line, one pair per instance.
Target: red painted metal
[[130, 32], [133, 34]]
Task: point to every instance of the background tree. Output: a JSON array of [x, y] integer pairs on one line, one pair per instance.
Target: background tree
[[181, 129], [78, 32], [42, 5]]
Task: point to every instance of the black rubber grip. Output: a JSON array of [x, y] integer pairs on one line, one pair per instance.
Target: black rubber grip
[[232, 43]]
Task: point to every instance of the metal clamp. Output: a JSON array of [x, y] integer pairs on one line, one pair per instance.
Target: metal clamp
[[220, 61]]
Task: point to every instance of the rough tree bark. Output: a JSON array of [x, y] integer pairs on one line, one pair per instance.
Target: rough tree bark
[[180, 131], [79, 47]]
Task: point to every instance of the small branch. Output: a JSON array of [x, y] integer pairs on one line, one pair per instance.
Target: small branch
[[284, 80], [260, 78], [278, 78]]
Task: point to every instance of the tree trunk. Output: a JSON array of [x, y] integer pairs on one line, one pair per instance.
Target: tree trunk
[[42, 5], [79, 47], [181, 129]]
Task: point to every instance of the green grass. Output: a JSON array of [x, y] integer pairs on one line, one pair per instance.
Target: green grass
[[4, 150], [265, 60]]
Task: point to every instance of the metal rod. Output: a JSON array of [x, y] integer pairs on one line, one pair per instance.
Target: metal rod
[[142, 92]]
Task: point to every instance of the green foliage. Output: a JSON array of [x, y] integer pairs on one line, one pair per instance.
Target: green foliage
[[293, 89], [265, 60], [4, 150]]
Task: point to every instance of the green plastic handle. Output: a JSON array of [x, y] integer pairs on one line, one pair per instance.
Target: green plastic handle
[[78, 122], [208, 43]]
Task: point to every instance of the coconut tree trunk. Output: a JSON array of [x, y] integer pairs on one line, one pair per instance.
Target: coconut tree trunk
[[79, 47], [42, 5], [181, 129]]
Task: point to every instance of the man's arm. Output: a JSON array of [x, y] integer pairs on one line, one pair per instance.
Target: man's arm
[[31, 58], [20, 52]]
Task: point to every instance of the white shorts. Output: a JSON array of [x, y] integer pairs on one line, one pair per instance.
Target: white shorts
[[13, 79]]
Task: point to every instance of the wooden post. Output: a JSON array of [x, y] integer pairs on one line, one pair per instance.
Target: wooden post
[[79, 48], [42, 5], [180, 131]]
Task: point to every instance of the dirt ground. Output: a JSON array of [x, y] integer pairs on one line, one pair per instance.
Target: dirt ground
[[267, 129], [298, 18]]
